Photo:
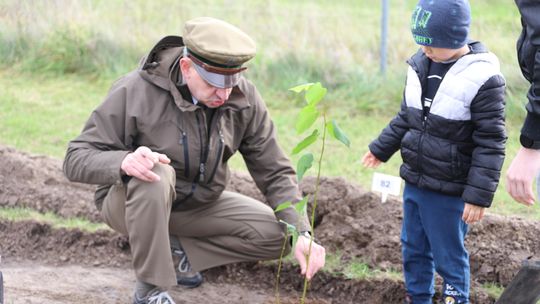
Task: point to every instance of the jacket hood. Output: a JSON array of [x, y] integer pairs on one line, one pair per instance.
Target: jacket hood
[[156, 67], [419, 61]]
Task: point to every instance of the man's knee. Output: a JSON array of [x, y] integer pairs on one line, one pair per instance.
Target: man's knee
[[160, 190], [275, 243]]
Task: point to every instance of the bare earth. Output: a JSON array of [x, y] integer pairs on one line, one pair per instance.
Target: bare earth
[[45, 265]]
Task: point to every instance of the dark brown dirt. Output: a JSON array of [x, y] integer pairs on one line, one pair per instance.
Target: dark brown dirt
[[349, 220]]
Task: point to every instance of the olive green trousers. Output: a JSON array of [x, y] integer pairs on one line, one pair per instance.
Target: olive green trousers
[[235, 228]]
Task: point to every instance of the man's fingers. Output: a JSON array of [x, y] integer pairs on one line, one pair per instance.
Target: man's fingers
[[528, 194], [521, 174], [522, 192], [301, 260], [148, 155], [164, 159], [141, 172], [316, 262], [140, 163], [148, 160]]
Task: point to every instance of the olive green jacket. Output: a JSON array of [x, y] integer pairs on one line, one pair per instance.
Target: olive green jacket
[[150, 107]]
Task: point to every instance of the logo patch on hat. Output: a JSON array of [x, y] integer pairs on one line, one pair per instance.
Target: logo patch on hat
[[441, 23], [419, 21]]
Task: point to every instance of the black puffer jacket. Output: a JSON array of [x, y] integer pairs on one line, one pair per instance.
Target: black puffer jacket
[[528, 51], [459, 149]]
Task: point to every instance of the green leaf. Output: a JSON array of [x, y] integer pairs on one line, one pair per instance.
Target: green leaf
[[338, 133], [306, 142], [307, 116], [315, 94], [283, 206], [290, 228], [294, 238], [301, 206], [300, 88], [304, 163]]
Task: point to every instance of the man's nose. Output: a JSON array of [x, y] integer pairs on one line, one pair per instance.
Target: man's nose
[[223, 94]]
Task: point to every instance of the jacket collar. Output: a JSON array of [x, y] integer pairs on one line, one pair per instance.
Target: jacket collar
[[420, 62]]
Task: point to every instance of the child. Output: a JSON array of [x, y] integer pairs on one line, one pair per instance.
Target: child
[[451, 133]]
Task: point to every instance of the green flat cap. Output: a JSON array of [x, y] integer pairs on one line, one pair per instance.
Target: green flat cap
[[218, 50], [218, 41]]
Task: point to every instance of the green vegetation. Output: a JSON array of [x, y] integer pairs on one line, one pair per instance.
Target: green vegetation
[[59, 58], [493, 290], [22, 214], [351, 269], [313, 110], [357, 269]]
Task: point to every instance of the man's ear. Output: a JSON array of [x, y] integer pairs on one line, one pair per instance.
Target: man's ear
[[185, 66]]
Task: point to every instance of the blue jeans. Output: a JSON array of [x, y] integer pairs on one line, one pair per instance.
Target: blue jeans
[[432, 238]]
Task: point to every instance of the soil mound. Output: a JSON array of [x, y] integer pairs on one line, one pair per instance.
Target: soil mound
[[349, 220]]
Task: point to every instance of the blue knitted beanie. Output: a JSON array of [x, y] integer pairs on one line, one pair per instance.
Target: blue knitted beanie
[[441, 23]]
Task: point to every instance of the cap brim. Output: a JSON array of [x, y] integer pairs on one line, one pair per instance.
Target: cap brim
[[218, 80]]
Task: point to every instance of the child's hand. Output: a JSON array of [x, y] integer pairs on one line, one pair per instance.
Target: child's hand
[[370, 161], [472, 213]]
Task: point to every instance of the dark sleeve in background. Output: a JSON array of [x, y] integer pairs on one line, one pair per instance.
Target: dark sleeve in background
[[528, 50]]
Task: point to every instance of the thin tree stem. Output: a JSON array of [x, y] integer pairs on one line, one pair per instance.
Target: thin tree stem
[[314, 207], [280, 263]]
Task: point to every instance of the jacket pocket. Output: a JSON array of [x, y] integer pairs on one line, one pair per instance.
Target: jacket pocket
[[455, 161], [460, 163], [221, 144]]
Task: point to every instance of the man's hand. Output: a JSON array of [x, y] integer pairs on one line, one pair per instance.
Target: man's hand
[[370, 161], [472, 213], [139, 164], [316, 259], [520, 175]]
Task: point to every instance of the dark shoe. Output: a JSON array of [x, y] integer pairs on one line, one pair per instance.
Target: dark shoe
[[185, 276], [155, 296]]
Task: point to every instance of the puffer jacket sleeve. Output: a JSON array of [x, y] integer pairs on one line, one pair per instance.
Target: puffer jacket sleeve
[[489, 137], [389, 141], [530, 12], [95, 156], [270, 168]]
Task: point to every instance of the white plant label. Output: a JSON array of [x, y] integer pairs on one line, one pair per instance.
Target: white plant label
[[386, 184]]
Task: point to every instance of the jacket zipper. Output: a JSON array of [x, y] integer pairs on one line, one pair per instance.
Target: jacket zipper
[[203, 157], [204, 153], [186, 154], [424, 121], [201, 170], [177, 203], [220, 151], [419, 162]]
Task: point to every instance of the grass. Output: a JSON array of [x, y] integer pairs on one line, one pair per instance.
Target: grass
[[23, 214], [350, 269], [357, 269], [493, 290], [57, 67]]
